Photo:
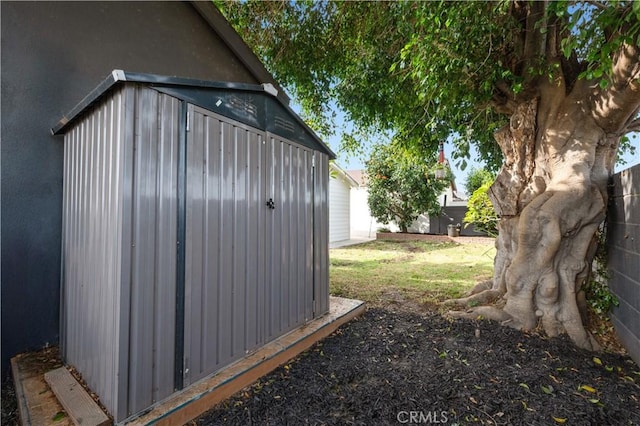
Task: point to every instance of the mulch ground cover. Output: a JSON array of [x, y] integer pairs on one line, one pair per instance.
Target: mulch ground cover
[[398, 367], [393, 366]]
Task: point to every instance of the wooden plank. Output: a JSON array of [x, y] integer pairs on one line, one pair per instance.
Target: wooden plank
[[79, 405], [37, 404], [207, 401], [21, 395], [204, 395]]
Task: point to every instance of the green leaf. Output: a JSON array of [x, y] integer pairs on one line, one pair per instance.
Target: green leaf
[[403, 84], [59, 416], [566, 47], [547, 389]]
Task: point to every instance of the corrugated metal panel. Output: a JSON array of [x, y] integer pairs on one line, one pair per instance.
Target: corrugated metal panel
[[224, 270], [321, 234], [289, 236], [92, 226], [251, 272], [249, 267], [153, 249], [119, 248], [623, 256]]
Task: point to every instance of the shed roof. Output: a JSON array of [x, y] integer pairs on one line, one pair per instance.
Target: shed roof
[[258, 106]]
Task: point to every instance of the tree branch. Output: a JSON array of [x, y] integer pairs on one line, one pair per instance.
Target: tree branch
[[618, 104], [633, 126], [534, 40], [503, 98], [597, 4]]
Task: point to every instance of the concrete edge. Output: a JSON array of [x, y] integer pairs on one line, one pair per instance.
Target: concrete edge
[[206, 393]]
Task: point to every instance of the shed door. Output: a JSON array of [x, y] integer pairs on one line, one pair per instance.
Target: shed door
[[249, 246]]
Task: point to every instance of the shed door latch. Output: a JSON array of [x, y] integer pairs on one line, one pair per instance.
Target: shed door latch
[[271, 204]]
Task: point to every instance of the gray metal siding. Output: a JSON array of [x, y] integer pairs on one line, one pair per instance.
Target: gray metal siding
[[153, 248], [249, 268], [321, 234], [119, 248], [252, 273], [92, 262], [289, 235], [223, 269]]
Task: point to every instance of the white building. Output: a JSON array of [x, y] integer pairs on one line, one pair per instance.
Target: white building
[[340, 187], [363, 225]]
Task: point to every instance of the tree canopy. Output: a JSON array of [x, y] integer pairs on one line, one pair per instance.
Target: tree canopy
[[401, 187], [547, 88], [476, 178], [427, 71]]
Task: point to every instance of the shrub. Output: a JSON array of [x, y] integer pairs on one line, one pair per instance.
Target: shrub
[[401, 187], [480, 211]]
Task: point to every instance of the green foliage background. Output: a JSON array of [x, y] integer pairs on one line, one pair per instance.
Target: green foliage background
[[401, 186], [422, 72], [476, 178], [480, 211]]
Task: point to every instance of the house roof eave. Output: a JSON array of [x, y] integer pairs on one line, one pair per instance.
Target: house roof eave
[[218, 23]]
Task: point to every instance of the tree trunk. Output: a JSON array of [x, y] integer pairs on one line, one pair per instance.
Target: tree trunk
[[551, 196]]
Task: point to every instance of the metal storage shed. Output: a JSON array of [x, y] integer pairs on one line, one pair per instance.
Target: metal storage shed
[[195, 229]]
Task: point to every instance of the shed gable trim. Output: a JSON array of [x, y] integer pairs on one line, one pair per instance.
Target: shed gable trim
[[198, 92]]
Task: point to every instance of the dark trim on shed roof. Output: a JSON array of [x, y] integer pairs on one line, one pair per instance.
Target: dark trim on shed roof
[[215, 96], [215, 19]]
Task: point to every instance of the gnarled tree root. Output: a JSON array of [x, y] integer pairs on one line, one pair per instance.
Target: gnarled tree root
[[483, 293], [483, 312], [482, 298]]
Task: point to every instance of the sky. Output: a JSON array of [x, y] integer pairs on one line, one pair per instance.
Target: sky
[[355, 163]]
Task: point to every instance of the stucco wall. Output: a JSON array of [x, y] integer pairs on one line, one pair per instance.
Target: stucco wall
[[53, 54]]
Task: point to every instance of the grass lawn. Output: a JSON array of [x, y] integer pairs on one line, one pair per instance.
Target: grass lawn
[[419, 272]]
